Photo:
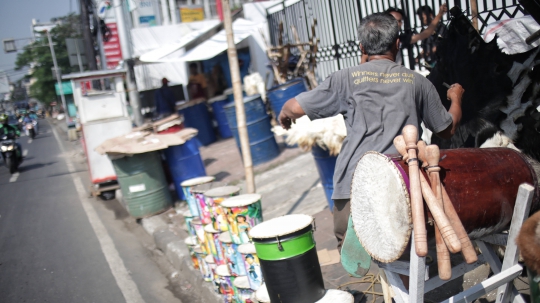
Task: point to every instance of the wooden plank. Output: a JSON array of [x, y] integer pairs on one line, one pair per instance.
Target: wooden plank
[[486, 286], [402, 268], [388, 293], [457, 271], [521, 212], [490, 256], [417, 273], [400, 293]]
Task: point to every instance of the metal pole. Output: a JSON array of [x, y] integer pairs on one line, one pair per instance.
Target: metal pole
[[173, 10], [165, 12], [88, 40], [238, 98], [78, 55], [126, 54], [102, 57], [58, 77]]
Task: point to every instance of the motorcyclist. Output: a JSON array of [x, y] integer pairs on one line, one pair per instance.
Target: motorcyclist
[[26, 120], [10, 131], [34, 117]]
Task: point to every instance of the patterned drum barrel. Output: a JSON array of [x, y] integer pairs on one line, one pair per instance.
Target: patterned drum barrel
[[213, 244], [223, 283], [198, 227], [243, 213], [188, 217], [214, 197], [233, 258], [191, 243], [243, 291], [190, 198], [252, 265], [198, 192], [205, 270]]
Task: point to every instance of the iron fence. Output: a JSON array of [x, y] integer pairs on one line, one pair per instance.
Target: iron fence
[[337, 21]]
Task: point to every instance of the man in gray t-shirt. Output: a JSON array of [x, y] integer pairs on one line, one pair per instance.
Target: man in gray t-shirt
[[377, 99]]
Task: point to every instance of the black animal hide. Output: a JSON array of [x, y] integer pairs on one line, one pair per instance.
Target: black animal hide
[[501, 91]]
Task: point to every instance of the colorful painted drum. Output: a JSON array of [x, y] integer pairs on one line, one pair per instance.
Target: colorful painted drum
[[289, 261], [334, 296], [243, 213], [243, 291], [233, 258], [211, 264], [214, 197], [205, 270], [223, 282], [214, 245], [188, 217], [252, 265], [191, 243], [261, 294], [205, 212], [198, 227], [190, 198]]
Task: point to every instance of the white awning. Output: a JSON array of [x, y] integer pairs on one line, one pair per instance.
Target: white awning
[[212, 47], [167, 39]]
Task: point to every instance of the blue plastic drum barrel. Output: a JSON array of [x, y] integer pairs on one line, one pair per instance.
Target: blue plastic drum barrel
[[262, 143], [280, 94], [217, 104], [325, 165], [196, 115], [185, 163]]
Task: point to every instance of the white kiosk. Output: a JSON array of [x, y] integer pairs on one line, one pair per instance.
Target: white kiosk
[[100, 98]]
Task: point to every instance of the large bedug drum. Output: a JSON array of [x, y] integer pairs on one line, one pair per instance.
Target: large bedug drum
[[481, 183], [288, 257]]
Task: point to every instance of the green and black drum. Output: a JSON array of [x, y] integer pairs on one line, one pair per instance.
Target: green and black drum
[[289, 262]]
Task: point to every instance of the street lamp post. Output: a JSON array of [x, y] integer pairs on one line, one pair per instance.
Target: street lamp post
[[60, 87]]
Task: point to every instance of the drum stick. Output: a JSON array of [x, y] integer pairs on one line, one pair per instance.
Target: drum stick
[[410, 134], [467, 249], [432, 156], [449, 236]]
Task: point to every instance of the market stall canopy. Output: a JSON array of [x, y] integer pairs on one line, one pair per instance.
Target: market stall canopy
[[168, 38], [210, 48]]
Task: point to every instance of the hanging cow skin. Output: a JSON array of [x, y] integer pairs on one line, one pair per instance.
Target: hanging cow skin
[[501, 91]]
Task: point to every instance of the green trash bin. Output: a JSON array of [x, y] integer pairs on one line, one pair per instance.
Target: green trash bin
[[143, 185]]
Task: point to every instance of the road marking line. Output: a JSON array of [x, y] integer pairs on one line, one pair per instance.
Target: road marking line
[[30, 141], [25, 152], [14, 177], [116, 264]]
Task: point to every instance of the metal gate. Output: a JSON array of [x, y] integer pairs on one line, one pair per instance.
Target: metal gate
[[337, 22]]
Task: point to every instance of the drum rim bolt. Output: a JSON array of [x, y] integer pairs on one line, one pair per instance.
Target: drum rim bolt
[[279, 246]]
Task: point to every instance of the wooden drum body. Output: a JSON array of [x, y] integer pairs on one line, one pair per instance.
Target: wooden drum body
[[481, 183]]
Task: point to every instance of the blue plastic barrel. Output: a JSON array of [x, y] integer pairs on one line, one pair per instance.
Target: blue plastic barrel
[[197, 116], [278, 95], [185, 163], [219, 114], [262, 142], [229, 93], [325, 165]]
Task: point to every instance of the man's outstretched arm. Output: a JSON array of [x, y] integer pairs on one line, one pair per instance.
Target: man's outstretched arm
[[290, 112]]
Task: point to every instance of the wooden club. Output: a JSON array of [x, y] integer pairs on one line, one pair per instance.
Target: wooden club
[[409, 135], [467, 249]]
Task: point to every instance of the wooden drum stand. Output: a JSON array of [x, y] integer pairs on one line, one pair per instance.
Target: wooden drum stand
[[503, 274]]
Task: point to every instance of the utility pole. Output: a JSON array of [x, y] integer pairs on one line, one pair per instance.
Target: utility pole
[[238, 98], [126, 55], [57, 72], [87, 37]]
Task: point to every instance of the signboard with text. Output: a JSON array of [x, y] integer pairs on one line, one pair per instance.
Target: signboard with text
[[191, 13], [146, 13], [113, 51]]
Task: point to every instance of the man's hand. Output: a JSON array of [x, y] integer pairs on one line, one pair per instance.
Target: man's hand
[[443, 9], [289, 113], [455, 92]]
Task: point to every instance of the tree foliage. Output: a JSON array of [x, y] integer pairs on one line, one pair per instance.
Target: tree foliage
[[38, 57]]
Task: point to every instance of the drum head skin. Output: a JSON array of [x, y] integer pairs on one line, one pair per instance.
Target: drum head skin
[[380, 207], [335, 296], [280, 226], [241, 200], [241, 282], [223, 191], [197, 181]]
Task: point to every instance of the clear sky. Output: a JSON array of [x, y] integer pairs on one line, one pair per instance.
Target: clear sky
[[16, 20]]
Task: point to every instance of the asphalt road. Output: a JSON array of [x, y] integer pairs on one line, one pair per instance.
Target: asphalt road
[[58, 245]]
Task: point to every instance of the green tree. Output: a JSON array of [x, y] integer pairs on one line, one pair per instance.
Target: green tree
[[38, 57]]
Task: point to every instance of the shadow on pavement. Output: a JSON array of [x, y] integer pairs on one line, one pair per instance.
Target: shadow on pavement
[[24, 168]]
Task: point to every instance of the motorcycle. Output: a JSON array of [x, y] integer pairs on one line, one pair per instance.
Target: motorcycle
[[10, 152], [31, 129]]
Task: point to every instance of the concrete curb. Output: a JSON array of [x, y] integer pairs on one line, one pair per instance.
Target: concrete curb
[[174, 248]]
